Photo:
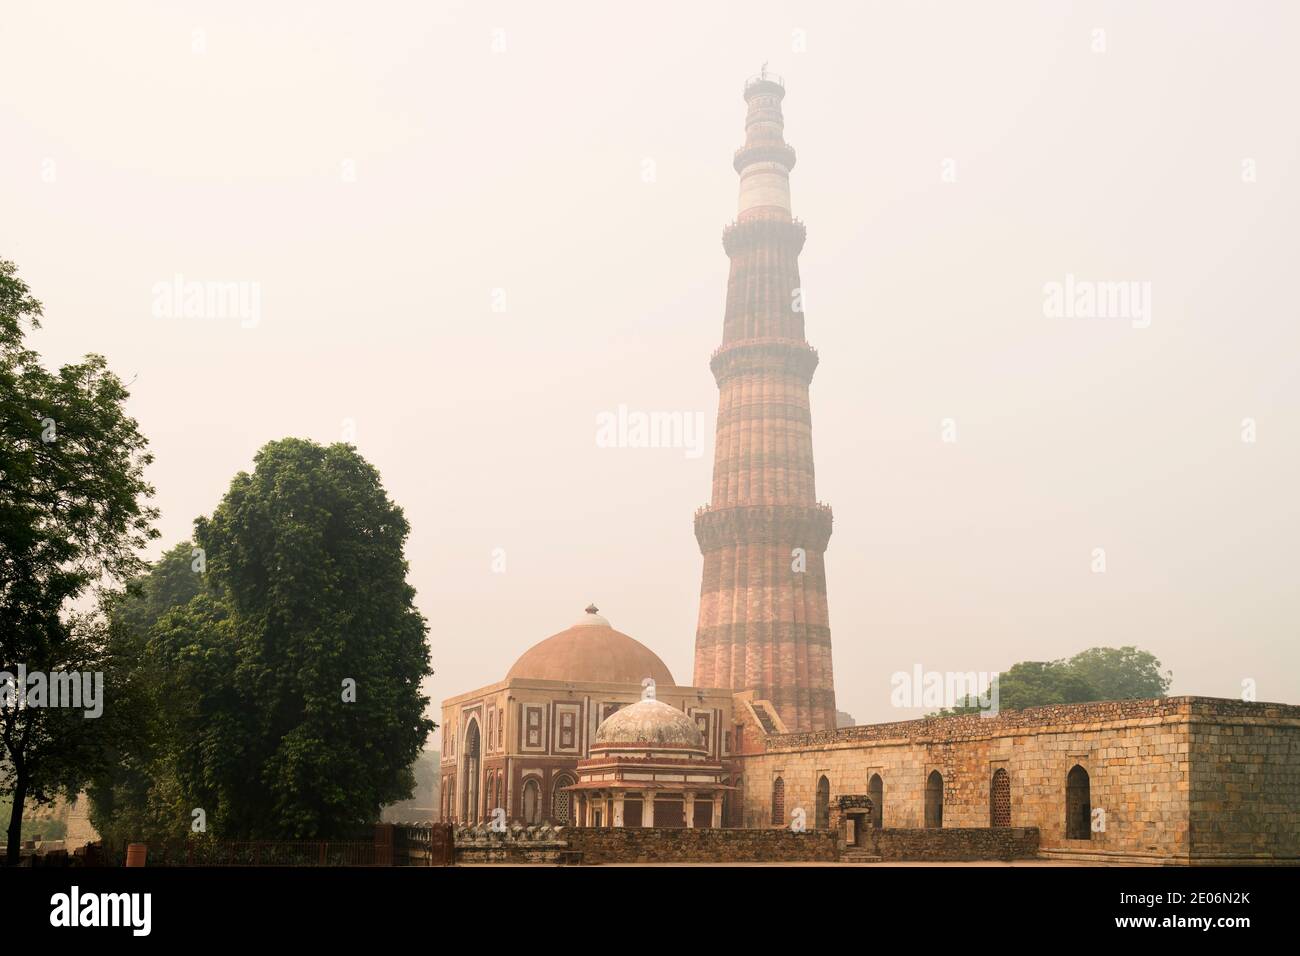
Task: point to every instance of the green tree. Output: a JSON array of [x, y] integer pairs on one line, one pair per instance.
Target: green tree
[[1037, 683], [135, 794], [72, 515], [1121, 673], [1099, 673], [306, 600]]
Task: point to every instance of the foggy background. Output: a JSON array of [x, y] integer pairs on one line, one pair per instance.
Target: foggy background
[[380, 169]]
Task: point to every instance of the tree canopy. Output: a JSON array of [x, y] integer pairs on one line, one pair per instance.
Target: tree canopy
[[1099, 673], [72, 515], [285, 686]]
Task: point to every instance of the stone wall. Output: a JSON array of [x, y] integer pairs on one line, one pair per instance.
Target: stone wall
[[515, 844], [513, 853], [1141, 756], [1003, 843], [1245, 782], [662, 845]]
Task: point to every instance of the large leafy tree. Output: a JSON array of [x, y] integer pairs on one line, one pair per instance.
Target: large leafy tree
[[1099, 673], [135, 793], [1121, 673], [72, 514], [289, 685], [1036, 683]]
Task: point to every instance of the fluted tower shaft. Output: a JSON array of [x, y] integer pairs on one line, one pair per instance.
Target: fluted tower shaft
[[763, 623]]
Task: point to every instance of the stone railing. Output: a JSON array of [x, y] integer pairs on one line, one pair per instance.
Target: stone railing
[[512, 844]]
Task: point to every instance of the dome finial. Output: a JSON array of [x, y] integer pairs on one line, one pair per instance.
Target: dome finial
[[592, 609]]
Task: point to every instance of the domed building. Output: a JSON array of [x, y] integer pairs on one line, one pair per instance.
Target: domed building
[[766, 750], [591, 651], [516, 745], [650, 767]]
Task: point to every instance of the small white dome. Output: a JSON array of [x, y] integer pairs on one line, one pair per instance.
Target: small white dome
[[650, 722]]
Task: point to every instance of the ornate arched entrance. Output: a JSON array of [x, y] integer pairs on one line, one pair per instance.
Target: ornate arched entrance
[[469, 773]]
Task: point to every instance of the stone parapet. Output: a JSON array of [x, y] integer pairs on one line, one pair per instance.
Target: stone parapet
[[663, 845]]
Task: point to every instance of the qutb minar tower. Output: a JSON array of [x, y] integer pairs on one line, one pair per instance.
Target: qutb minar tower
[[764, 625]]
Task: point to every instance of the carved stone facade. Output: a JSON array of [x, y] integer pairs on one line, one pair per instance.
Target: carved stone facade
[[515, 746]]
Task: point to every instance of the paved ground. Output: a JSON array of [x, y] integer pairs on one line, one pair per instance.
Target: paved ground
[[998, 863]]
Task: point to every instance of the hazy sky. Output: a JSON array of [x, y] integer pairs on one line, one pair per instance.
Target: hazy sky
[[375, 171]]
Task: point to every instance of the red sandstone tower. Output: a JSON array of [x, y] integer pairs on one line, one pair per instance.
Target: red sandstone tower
[[763, 622]]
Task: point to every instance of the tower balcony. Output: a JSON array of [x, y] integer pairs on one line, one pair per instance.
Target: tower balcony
[[786, 526], [760, 229], [764, 82], [764, 355], [781, 153]]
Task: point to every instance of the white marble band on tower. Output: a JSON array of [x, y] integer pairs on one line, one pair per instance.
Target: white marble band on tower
[[765, 184], [764, 162]]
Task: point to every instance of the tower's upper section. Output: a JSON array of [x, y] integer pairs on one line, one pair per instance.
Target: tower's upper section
[[765, 161]]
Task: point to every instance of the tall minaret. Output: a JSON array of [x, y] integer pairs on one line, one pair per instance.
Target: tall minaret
[[763, 620]]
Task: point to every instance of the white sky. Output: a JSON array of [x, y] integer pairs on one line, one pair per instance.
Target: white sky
[[126, 158]]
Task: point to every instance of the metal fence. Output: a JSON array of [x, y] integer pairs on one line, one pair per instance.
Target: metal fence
[[295, 853], [391, 845], [249, 853], [423, 845]]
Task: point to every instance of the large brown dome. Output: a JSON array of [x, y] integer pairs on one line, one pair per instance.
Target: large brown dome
[[593, 652]]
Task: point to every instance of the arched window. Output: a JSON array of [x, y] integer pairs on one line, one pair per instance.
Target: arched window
[[532, 801], [823, 817], [934, 801], [1000, 798], [778, 802], [1078, 805], [733, 804], [876, 791], [561, 799], [469, 810], [491, 794]]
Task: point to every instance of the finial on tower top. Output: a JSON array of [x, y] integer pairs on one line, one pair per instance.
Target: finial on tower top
[[764, 77], [592, 609]]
